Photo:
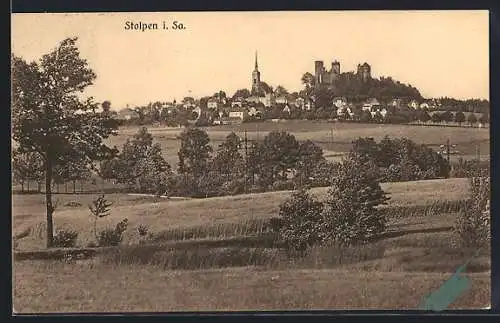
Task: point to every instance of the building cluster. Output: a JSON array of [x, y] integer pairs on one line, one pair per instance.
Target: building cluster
[[223, 110]]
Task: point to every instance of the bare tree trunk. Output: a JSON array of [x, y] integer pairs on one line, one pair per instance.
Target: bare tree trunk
[[48, 201], [74, 186], [22, 186], [65, 187], [28, 186]]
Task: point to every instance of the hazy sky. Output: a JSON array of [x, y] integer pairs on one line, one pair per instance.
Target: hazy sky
[[442, 53]]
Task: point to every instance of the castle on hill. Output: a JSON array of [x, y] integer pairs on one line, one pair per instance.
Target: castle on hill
[[328, 77]]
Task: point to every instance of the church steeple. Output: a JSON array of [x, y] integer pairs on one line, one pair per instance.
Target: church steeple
[[256, 78]]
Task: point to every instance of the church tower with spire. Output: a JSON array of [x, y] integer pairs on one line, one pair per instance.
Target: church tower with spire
[[256, 78]]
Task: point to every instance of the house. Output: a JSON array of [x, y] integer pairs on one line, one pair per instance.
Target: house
[[231, 120], [339, 102], [255, 112], [397, 103], [213, 103], [286, 109], [237, 103], [240, 113], [281, 100], [127, 114], [309, 104], [268, 100], [424, 105], [382, 111], [413, 104], [299, 103], [346, 111], [371, 105]]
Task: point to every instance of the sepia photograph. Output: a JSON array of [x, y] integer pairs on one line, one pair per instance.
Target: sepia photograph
[[250, 161]]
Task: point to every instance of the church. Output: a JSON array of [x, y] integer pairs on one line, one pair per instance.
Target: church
[[258, 95]]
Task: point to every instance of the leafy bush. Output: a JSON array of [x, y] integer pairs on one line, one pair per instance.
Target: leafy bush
[[65, 238], [402, 159], [473, 223], [350, 216], [112, 236], [469, 168], [301, 221]]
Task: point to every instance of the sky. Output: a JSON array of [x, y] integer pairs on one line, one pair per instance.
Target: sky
[[442, 53]]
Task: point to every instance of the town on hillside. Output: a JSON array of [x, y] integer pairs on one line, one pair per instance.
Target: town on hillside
[[353, 190], [327, 95]]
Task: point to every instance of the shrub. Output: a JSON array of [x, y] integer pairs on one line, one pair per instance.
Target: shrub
[[473, 223], [301, 221], [65, 238], [351, 216], [402, 159], [143, 230], [100, 208], [112, 236]]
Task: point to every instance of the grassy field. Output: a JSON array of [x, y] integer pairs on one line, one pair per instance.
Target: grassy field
[[162, 214], [59, 287], [334, 138], [411, 266], [412, 259]]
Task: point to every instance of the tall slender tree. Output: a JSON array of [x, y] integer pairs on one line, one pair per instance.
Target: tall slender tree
[[50, 118]]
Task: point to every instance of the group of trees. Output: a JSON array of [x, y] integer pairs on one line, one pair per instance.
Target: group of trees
[[401, 159], [469, 105], [140, 165], [201, 171]]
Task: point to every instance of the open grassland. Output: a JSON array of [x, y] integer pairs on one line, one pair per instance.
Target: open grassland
[[217, 254], [395, 273], [334, 138], [59, 287], [231, 214], [409, 267]]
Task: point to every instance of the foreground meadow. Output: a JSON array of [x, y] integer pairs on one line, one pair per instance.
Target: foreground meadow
[[59, 287], [163, 214], [212, 254]]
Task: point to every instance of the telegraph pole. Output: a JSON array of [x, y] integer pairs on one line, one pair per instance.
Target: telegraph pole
[[478, 152], [246, 161], [448, 150]]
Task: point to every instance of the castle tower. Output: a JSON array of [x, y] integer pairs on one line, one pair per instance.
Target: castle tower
[[364, 71], [256, 78], [318, 72], [335, 67]]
